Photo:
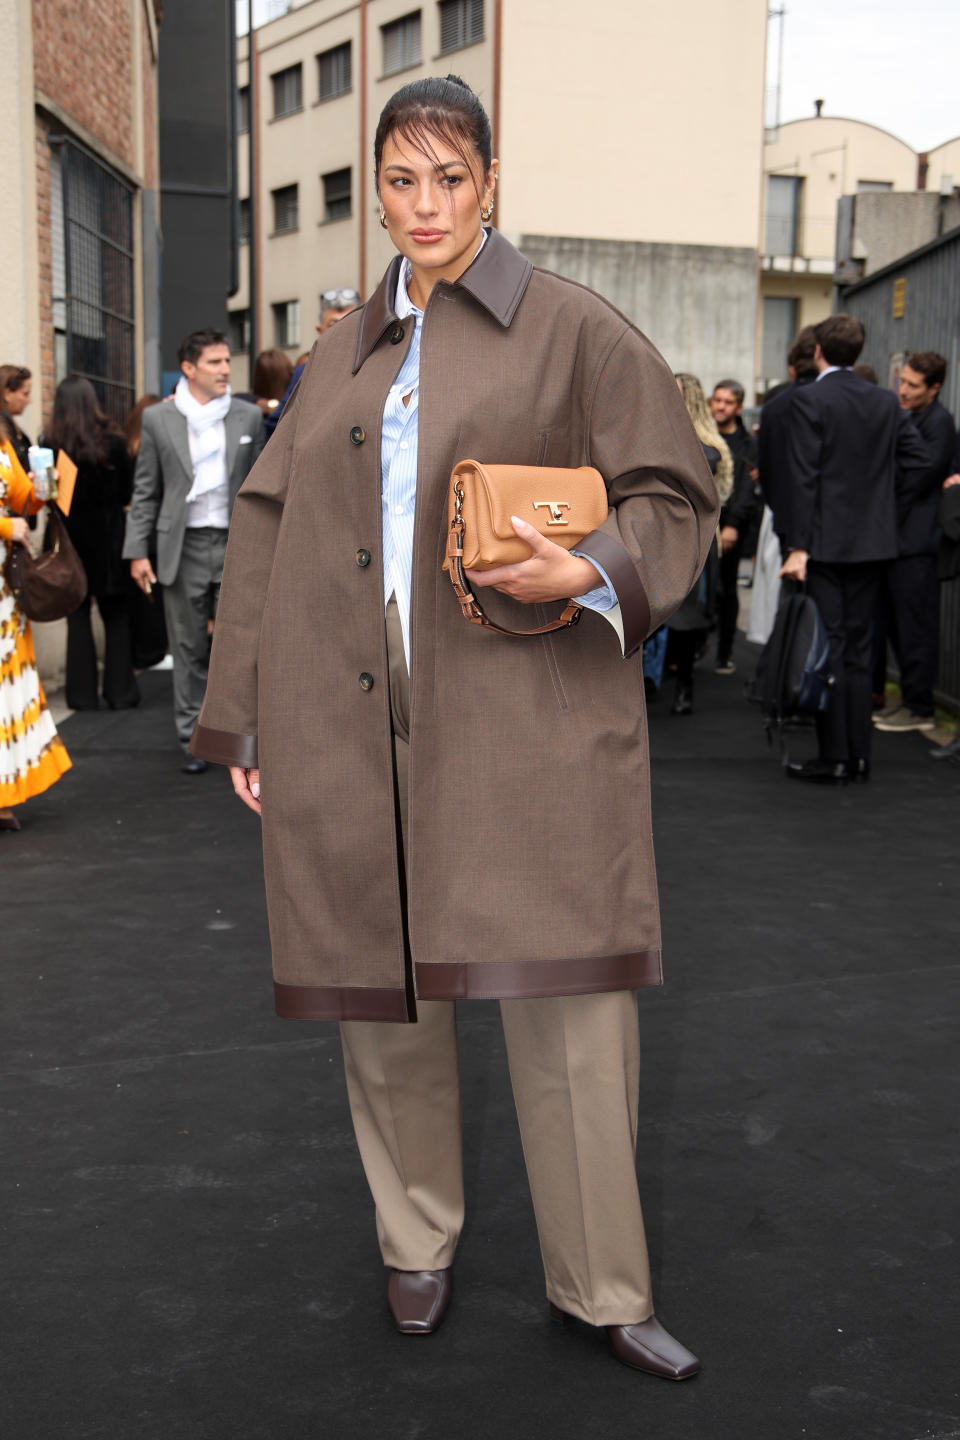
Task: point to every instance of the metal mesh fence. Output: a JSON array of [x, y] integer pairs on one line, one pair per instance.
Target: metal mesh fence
[[97, 275]]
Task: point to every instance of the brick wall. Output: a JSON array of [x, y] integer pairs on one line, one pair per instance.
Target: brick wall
[[45, 271], [82, 57]]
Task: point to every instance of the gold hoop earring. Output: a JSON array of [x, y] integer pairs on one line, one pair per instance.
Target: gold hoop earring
[[383, 217], [486, 214]]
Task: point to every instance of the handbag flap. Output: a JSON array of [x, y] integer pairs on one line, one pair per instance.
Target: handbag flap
[[562, 504]]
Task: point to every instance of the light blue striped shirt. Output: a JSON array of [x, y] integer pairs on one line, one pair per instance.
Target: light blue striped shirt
[[398, 476]]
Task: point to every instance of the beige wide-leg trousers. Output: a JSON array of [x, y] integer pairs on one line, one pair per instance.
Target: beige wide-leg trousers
[[574, 1066]]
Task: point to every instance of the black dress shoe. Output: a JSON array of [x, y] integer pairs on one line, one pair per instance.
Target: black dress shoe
[[820, 772], [646, 1346], [859, 769], [193, 766], [418, 1299]]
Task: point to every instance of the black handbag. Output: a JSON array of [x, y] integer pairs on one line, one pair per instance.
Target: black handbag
[[793, 682], [51, 586]]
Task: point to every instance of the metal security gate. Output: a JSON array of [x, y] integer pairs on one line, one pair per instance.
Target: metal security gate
[[93, 299]]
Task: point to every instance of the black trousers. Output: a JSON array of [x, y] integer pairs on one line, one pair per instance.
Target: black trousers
[[120, 687], [847, 598], [728, 602], [914, 594]]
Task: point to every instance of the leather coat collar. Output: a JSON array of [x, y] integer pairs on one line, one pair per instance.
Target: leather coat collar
[[497, 279]]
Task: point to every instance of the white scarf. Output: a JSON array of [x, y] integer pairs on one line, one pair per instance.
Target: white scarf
[[209, 463]]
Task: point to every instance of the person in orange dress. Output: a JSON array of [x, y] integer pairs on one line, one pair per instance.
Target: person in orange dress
[[32, 755]]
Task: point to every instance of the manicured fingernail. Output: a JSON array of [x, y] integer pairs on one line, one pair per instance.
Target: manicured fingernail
[[516, 520], [255, 789]]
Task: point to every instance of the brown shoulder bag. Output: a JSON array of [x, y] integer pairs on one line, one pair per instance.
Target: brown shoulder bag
[[51, 586]]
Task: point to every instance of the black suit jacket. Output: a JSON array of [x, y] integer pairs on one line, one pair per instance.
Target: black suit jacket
[[773, 454], [851, 449], [919, 500]]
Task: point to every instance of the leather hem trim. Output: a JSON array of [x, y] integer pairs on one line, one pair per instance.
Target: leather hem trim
[[634, 605], [224, 747], [339, 1002], [519, 979]]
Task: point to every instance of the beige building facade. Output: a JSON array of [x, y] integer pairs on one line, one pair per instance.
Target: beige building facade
[[602, 121], [823, 167]]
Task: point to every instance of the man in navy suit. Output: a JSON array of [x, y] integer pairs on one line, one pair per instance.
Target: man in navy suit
[[852, 450]]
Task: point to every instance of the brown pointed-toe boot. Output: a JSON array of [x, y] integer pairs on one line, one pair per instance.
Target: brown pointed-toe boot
[[418, 1299]]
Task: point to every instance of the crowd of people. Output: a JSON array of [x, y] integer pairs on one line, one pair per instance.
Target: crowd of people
[[852, 491], [838, 488]]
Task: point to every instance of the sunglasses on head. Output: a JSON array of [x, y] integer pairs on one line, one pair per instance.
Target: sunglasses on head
[[339, 299]]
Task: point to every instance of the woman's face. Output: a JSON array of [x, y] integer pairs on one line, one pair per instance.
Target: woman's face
[[16, 401], [432, 205]]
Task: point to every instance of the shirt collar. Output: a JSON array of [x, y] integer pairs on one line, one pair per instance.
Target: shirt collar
[[832, 370], [403, 305], [497, 280]]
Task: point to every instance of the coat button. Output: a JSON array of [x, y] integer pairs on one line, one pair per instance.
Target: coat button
[[366, 681], [357, 435], [396, 335], [363, 558]]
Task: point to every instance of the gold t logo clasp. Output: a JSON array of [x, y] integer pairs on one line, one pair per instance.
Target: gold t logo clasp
[[556, 508]]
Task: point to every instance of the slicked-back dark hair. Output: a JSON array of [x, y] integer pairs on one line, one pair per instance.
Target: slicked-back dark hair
[[193, 345], [841, 338], [929, 364], [437, 106]]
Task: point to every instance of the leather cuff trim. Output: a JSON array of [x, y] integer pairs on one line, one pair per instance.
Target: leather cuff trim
[[634, 605], [519, 979], [223, 747], [339, 1002]]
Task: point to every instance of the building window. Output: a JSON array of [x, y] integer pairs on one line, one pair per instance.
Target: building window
[[286, 209], [401, 43], [243, 109], [238, 331], [336, 195], [779, 331], [287, 91], [461, 23], [783, 213], [244, 221], [865, 185], [334, 69], [91, 216], [286, 324]]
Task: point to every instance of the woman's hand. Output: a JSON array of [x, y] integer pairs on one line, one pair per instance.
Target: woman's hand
[[20, 530], [246, 784], [950, 481], [551, 573], [729, 535]]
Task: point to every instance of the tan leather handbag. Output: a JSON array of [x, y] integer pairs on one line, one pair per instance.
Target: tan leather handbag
[[564, 505]]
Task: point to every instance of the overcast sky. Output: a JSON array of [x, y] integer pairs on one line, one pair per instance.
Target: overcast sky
[[888, 62]]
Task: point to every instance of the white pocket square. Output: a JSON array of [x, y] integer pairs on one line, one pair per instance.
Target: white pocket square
[[246, 440]]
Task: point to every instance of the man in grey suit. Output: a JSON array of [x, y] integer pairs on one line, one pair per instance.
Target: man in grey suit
[[195, 453]]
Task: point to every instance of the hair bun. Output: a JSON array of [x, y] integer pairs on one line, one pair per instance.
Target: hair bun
[[456, 80]]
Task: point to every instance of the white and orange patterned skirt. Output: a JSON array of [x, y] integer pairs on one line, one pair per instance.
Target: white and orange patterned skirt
[[32, 755]]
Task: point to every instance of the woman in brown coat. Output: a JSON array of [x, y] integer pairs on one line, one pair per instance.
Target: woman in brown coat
[[447, 813]]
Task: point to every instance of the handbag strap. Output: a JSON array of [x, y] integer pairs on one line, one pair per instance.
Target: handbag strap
[[470, 605]]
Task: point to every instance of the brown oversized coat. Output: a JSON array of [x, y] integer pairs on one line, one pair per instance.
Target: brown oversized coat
[[530, 865]]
